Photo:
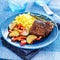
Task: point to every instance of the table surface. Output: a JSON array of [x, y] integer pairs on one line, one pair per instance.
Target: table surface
[[51, 52]]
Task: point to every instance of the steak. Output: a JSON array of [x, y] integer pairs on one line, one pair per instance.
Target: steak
[[41, 28]]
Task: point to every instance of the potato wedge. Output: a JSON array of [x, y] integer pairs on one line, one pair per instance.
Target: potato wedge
[[14, 33], [31, 38]]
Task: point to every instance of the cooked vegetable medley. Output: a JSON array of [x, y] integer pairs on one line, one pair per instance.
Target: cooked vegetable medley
[[26, 29]]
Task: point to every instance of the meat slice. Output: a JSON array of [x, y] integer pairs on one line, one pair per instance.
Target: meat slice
[[38, 28], [41, 28]]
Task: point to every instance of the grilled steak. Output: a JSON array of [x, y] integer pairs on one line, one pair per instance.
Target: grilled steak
[[41, 28]]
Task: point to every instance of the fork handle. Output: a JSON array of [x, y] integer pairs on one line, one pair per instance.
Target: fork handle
[[47, 10]]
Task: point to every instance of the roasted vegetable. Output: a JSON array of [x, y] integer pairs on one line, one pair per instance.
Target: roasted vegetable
[[25, 32], [12, 25], [14, 33], [23, 42], [19, 38], [31, 38]]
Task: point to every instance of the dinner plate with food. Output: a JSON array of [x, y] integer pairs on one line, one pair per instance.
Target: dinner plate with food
[[29, 30]]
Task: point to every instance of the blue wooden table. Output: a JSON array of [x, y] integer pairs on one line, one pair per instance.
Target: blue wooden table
[[51, 52]]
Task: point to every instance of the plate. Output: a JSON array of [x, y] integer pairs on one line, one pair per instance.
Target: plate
[[40, 44]]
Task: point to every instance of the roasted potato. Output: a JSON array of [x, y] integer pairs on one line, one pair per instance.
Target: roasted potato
[[14, 33], [31, 38]]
